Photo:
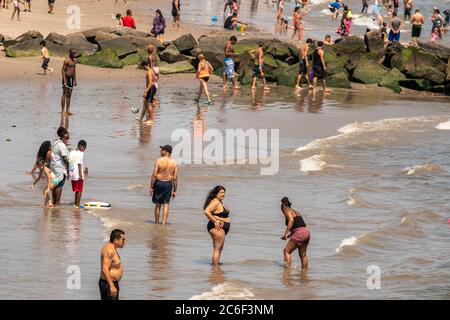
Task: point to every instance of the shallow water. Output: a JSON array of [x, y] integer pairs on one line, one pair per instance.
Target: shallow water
[[376, 196], [260, 14]]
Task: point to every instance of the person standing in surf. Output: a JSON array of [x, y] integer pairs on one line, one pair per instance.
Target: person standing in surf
[[258, 71], [69, 80], [219, 221], [77, 171], [228, 68], [111, 266], [303, 64], [149, 94], [297, 232], [204, 71], [164, 183], [319, 66], [59, 164], [176, 13], [153, 64]]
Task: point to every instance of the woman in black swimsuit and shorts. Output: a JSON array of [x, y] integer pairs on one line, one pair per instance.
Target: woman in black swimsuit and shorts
[[219, 220]]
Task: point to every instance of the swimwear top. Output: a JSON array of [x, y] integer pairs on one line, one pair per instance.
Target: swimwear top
[[316, 58], [298, 222], [224, 214], [204, 72]]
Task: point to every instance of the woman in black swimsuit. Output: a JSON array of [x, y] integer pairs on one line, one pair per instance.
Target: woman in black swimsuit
[[219, 220]]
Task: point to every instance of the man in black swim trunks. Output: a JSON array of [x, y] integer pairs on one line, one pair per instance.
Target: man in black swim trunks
[[303, 63], [69, 80], [319, 66], [164, 183], [149, 93]]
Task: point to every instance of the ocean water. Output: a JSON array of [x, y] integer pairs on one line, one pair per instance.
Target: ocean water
[[369, 173], [260, 14]]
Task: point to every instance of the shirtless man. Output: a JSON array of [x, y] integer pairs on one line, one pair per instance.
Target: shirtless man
[[164, 183], [149, 93], [303, 63], [258, 71], [111, 266], [69, 80], [408, 4], [228, 70], [417, 21]]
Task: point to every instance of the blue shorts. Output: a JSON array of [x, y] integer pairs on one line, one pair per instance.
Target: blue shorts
[[228, 67], [393, 36], [162, 192]]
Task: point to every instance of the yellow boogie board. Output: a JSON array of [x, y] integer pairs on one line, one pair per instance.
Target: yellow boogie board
[[97, 205]]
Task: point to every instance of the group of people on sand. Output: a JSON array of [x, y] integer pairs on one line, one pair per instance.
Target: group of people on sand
[[282, 23]]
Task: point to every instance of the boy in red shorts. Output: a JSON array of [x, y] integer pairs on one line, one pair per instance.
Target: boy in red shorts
[[76, 171]]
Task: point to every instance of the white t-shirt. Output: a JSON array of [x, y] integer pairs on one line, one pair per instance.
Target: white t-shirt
[[76, 158]]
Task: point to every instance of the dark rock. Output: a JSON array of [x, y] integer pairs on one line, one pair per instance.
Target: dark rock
[[436, 89], [185, 43], [59, 45], [287, 76], [102, 36], [281, 50], [374, 41], [29, 35], [339, 80], [1, 38], [123, 46], [436, 49], [172, 55], [415, 84], [412, 57], [177, 67], [27, 48], [447, 89], [428, 73], [369, 72], [391, 80], [349, 45], [106, 58]]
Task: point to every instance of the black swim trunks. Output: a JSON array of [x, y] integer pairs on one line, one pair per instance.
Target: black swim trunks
[[303, 68], [319, 72], [151, 94], [257, 71], [206, 79], [226, 226], [45, 63], [416, 30], [69, 80], [104, 291], [162, 192]]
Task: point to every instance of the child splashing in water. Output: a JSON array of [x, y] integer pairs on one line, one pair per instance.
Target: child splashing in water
[[52, 181]]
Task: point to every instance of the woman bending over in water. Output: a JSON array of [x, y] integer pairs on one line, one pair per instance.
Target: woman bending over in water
[[298, 233], [219, 221]]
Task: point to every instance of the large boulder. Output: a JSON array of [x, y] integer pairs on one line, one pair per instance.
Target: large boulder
[[436, 89], [122, 46], [29, 35], [102, 36], [349, 45], [177, 67], [415, 84], [374, 42], [287, 76], [339, 80], [106, 58], [428, 73], [447, 77], [27, 48], [91, 34], [391, 80], [185, 43], [369, 72], [132, 59], [59, 45], [281, 50], [172, 55], [436, 49], [212, 43], [411, 57]]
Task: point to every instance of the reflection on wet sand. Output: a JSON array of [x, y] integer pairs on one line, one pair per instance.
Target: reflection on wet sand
[[64, 122], [217, 276], [160, 259], [293, 278], [258, 99], [311, 100], [145, 133]]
